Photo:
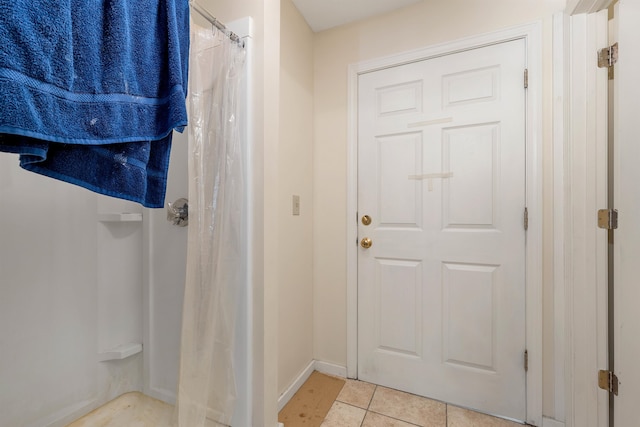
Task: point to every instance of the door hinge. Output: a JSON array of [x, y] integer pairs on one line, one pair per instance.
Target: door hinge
[[608, 219], [526, 360], [526, 219], [608, 56], [608, 381], [526, 78]]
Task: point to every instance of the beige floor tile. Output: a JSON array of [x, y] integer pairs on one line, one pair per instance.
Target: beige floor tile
[[458, 417], [376, 420], [357, 393], [408, 407], [343, 415]]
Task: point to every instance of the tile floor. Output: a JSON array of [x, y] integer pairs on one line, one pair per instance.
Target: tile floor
[[362, 404], [359, 404]]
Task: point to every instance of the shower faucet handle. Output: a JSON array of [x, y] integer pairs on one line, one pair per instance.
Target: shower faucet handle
[[178, 212]]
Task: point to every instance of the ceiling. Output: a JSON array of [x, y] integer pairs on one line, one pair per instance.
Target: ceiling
[[324, 14]]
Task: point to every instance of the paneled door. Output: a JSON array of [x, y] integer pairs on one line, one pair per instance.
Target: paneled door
[[441, 202]]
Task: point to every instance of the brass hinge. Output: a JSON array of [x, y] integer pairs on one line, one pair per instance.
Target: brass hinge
[[526, 78], [526, 218], [526, 360], [608, 56], [608, 219], [608, 381]]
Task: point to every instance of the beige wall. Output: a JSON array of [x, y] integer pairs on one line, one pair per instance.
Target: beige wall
[[295, 164], [281, 264], [416, 26]]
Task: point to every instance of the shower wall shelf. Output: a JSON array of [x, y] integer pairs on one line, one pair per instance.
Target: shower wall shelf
[[120, 217], [120, 352]]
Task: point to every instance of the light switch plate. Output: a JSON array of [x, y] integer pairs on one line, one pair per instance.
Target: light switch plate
[[296, 205]]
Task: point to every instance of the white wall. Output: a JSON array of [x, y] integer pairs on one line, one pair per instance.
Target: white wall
[[70, 287], [295, 165], [419, 25], [165, 262]]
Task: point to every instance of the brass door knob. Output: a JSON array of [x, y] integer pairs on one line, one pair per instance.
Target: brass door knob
[[366, 243]]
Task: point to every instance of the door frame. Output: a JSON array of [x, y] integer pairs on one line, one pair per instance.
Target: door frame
[[531, 33], [580, 189]]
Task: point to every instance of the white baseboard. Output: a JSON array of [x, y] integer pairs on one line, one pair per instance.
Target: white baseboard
[[549, 422], [331, 369], [314, 365], [295, 386]]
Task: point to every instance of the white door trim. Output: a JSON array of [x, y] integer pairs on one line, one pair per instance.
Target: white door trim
[[580, 248], [561, 264], [531, 33]]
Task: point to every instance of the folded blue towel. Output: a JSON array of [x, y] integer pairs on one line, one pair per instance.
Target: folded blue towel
[[90, 90]]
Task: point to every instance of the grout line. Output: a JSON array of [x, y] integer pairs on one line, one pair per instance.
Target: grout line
[[446, 415], [394, 418], [349, 404], [369, 404], [375, 388]]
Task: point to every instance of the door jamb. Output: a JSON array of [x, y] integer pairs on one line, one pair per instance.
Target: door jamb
[[531, 33], [580, 188]]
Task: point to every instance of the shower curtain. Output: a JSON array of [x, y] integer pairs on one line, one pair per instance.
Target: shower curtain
[[216, 257]]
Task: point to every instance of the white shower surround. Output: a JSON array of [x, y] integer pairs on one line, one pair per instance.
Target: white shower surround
[[71, 291]]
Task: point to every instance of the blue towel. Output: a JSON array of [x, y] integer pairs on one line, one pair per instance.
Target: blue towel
[[90, 90]]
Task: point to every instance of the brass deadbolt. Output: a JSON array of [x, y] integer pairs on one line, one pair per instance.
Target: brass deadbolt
[[366, 220]]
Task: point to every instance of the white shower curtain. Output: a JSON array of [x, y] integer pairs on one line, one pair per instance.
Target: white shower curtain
[[216, 259]]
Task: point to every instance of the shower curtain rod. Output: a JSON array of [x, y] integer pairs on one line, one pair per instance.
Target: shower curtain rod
[[219, 25]]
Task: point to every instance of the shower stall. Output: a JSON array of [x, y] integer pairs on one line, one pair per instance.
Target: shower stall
[[92, 290]]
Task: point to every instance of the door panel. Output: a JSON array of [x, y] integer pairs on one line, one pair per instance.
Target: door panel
[[441, 171], [469, 293], [399, 204], [399, 302], [470, 151]]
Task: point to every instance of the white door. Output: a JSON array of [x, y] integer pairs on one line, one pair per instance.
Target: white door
[[627, 201], [441, 174]]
